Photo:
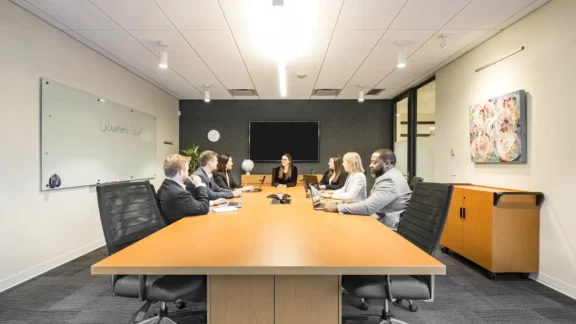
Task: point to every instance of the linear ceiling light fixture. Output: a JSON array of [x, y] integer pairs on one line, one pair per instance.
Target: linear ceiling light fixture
[[282, 78], [163, 63]]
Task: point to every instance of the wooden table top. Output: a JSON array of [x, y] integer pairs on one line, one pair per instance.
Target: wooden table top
[[265, 239]]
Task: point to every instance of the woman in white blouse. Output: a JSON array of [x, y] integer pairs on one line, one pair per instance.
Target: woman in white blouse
[[355, 187]]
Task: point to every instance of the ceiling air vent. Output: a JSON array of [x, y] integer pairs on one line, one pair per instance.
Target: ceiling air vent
[[326, 92], [242, 92], [374, 92]]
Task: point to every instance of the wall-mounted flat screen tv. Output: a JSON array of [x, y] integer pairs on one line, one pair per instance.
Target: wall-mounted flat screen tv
[[269, 140]]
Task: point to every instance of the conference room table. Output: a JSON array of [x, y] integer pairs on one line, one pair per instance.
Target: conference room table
[[273, 263]]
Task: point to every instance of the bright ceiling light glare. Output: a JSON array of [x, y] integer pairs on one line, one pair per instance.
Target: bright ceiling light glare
[[163, 63], [280, 30], [361, 93], [282, 79]]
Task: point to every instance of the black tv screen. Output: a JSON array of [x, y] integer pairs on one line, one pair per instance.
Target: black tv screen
[[269, 140]]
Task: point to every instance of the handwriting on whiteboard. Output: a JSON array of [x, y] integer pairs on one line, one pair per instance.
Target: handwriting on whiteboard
[[107, 127]]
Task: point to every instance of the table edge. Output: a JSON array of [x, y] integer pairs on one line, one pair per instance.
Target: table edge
[[313, 270]]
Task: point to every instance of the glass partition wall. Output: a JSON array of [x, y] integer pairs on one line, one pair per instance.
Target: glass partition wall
[[414, 129]]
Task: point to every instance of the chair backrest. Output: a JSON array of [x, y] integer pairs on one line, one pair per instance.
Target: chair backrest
[[423, 221], [415, 181], [128, 212]]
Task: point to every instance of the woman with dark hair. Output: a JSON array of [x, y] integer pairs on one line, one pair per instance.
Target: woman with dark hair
[[223, 175], [335, 177], [286, 174]]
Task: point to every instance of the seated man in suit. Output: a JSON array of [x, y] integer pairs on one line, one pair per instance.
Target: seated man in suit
[[208, 164], [174, 200], [389, 197]]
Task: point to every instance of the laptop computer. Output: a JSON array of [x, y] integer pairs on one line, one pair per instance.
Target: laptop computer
[[315, 193], [236, 204], [308, 179], [259, 189]]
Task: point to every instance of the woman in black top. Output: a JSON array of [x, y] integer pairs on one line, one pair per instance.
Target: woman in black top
[[223, 176], [335, 177], [285, 175]]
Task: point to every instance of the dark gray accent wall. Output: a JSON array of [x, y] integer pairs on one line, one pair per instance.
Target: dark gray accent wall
[[345, 125]]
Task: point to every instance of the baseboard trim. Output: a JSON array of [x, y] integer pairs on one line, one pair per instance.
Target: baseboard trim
[[37, 270], [557, 284]]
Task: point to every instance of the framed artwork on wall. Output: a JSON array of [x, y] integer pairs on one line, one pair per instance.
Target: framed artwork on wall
[[498, 131]]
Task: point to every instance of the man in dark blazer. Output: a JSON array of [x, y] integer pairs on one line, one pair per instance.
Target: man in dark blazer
[[174, 199], [209, 163]]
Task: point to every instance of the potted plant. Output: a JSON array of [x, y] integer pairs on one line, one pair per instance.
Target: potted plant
[[193, 152]]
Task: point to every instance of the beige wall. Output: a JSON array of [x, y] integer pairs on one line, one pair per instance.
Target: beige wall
[[38, 230], [546, 70]]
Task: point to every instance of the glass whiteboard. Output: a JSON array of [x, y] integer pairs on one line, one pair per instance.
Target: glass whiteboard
[[87, 140]]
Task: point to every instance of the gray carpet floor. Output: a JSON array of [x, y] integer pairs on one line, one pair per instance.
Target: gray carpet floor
[[69, 294]]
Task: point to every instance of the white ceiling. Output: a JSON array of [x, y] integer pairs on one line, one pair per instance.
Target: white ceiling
[[228, 44]]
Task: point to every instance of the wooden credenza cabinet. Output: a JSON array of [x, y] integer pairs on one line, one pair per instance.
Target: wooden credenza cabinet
[[495, 228], [254, 179]]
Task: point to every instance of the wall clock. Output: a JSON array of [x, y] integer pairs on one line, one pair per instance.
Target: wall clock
[[213, 135]]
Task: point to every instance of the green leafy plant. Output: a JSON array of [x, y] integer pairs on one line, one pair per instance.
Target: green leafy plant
[[194, 153]]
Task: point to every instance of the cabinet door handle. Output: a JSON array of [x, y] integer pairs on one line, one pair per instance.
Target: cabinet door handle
[[461, 212], [464, 214]]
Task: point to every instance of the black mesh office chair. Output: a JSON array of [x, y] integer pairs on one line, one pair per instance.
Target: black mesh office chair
[[129, 212], [422, 224], [415, 181]]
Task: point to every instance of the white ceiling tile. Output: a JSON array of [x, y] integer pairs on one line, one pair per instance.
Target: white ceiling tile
[[385, 54], [135, 14], [191, 68], [126, 48], [219, 51], [427, 14], [258, 15], [194, 14], [535, 5], [176, 43], [347, 51], [432, 54], [369, 14], [487, 14], [76, 14]]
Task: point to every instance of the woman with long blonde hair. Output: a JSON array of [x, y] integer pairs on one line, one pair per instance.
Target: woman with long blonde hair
[[354, 188]]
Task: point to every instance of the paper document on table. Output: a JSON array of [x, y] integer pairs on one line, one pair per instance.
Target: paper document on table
[[225, 209]]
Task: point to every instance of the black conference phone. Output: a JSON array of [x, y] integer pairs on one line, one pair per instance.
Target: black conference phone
[[280, 198]]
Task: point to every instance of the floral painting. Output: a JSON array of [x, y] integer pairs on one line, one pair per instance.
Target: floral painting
[[498, 129]]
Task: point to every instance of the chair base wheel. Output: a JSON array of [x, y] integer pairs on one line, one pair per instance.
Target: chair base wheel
[[364, 306], [491, 275], [413, 308], [397, 302], [445, 249]]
